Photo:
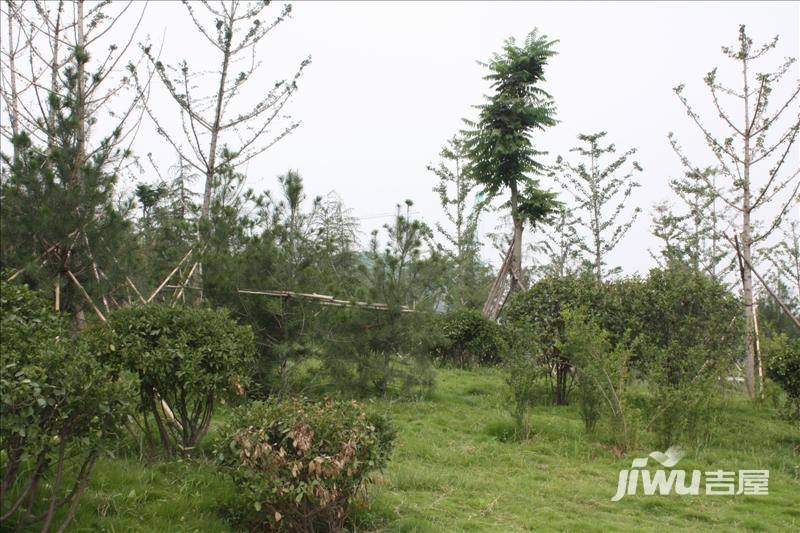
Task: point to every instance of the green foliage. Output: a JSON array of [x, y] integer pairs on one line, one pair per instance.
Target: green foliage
[[539, 310], [379, 353], [468, 338], [689, 339], [186, 358], [468, 276], [783, 367], [523, 375], [299, 465], [59, 210], [59, 404], [289, 242], [681, 310], [601, 196], [677, 319], [448, 445], [684, 410], [498, 145], [587, 347], [603, 377], [692, 233], [384, 352]]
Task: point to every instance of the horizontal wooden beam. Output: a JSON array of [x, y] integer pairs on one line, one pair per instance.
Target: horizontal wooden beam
[[324, 299]]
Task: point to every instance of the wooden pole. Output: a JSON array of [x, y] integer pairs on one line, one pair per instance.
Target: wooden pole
[[493, 305], [186, 282], [758, 353], [95, 270], [774, 296], [185, 257], [57, 287], [139, 294], [324, 299], [86, 295]]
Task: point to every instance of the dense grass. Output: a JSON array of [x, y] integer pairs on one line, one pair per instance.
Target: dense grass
[[454, 470]]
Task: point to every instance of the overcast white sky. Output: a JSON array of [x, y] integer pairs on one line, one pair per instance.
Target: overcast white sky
[[390, 82]]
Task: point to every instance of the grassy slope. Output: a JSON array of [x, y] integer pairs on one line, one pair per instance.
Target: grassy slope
[[450, 472]]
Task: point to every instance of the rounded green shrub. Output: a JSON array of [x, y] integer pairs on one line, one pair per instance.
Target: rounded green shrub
[[783, 367], [539, 312], [186, 358], [467, 338], [299, 465], [59, 404]]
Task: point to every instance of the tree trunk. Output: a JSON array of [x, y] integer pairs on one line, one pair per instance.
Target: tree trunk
[[598, 242], [13, 78], [55, 39], [516, 260], [215, 129], [211, 166], [562, 376], [80, 110], [747, 243]]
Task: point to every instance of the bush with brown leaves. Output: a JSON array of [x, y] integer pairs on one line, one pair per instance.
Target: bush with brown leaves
[[299, 464]]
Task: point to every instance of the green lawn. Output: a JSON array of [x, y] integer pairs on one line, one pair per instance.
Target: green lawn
[[452, 472]]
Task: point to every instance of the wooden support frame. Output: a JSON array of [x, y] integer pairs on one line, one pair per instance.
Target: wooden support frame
[[324, 299], [501, 288], [745, 262], [86, 296]]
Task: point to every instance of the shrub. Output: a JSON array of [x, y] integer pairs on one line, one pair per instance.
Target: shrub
[[682, 412], [379, 353], [586, 345], [682, 310], [691, 340], [185, 359], [468, 338], [783, 367], [523, 378], [602, 377], [539, 310], [298, 465], [58, 405]]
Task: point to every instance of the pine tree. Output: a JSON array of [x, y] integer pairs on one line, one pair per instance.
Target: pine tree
[[57, 84], [62, 227]]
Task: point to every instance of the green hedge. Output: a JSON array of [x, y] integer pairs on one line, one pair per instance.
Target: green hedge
[[59, 403], [185, 358], [466, 338]]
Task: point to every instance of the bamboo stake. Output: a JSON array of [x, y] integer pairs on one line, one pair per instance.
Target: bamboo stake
[[139, 294], [774, 297], [21, 270], [324, 299], [95, 270], [58, 293], [185, 257], [86, 295], [493, 306], [758, 352], [179, 294]]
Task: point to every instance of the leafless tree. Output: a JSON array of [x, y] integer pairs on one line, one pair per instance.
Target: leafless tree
[[752, 157], [212, 136]]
